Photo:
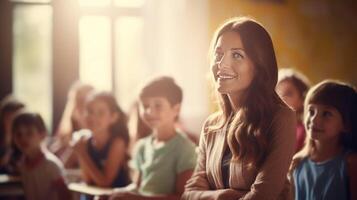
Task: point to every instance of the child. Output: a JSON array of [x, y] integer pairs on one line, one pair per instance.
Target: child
[[164, 160], [292, 88], [41, 172], [322, 169], [9, 154], [73, 119], [103, 155]]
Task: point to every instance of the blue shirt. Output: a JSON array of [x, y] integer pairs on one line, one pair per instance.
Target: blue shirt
[[321, 181]]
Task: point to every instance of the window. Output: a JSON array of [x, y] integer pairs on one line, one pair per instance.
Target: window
[[111, 46], [95, 51], [32, 57]]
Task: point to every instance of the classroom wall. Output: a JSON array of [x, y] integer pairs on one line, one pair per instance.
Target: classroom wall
[[317, 37]]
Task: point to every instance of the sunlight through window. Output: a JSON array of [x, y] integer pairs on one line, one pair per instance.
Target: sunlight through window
[[130, 62], [95, 51], [129, 3], [94, 2], [33, 58]]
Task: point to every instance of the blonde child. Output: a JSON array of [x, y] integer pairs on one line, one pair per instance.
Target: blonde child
[[73, 119], [323, 168]]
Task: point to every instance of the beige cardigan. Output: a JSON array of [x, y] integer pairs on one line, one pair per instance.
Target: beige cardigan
[[268, 182]]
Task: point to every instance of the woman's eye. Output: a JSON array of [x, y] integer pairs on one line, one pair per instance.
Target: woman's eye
[[237, 55], [218, 56]]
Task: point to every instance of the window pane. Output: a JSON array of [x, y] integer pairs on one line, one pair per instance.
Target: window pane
[[129, 3], [130, 69], [94, 2], [32, 58], [95, 51], [32, 1]]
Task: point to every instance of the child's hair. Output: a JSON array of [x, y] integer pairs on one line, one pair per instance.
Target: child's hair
[[162, 86], [28, 119], [299, 80], [8, 105], [343, 98], [77, 94], [118, 128]]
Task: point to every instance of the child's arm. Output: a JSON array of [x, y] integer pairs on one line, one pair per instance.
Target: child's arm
[[181, 180], [114, 162]]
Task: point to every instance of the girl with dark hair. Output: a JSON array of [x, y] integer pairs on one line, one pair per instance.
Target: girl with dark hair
[[103, 154], [326, 167], [245, 149]]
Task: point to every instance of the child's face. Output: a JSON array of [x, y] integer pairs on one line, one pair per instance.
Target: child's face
[[323, 122], [290, 95], [157, 112], [99, 117], [27, 138]]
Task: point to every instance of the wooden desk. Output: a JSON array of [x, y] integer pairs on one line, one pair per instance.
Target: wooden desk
[[89, 190], [10, 186], [5, 178]]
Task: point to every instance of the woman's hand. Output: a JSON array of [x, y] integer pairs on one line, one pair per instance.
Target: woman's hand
[[227, 194], [197, 182]]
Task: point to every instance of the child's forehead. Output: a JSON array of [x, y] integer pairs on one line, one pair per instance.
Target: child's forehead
[[25, 128], [154, 99], [322, 106], [287, 83], [97, 102]]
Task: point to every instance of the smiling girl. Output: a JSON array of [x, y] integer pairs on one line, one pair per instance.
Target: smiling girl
[[326, 167], [103, 156]]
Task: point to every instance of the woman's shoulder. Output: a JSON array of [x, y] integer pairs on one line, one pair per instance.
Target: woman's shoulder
[[212, 120], [284, 117], [284, 112]]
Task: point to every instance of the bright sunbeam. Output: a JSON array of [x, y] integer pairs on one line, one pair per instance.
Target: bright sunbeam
[[95, 52]]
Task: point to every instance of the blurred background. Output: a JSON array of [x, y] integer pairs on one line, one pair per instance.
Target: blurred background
[[45, 45]]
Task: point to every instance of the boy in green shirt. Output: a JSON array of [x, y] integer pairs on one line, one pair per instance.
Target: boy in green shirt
[[165, 160]]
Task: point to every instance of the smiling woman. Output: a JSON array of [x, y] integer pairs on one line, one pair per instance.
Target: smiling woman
[[245, 149], [233, 70]]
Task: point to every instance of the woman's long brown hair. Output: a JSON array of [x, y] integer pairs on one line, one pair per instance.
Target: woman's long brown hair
[[249, 137]]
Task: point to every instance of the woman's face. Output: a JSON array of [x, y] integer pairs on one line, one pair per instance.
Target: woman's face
[[232, 69]]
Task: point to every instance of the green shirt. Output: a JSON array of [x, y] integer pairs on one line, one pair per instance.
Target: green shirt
[[159, 167]]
